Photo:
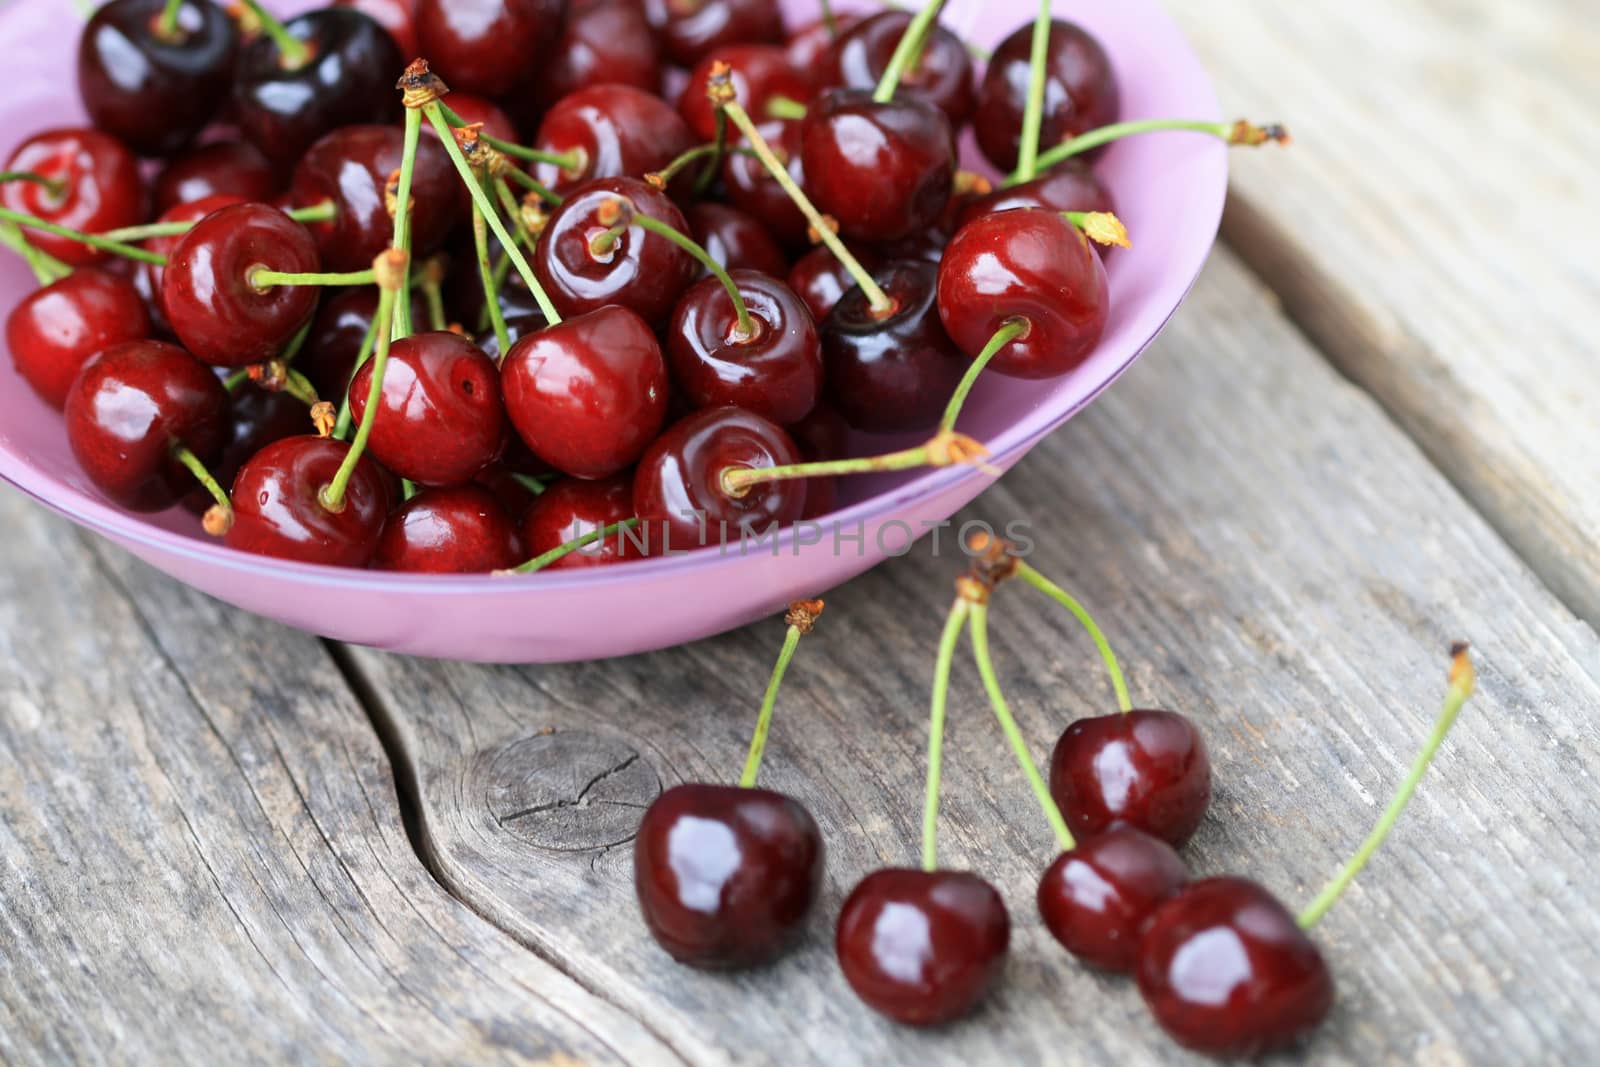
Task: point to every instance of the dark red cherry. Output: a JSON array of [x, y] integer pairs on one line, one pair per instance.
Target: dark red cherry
[[128, 405], [487, 47], [821, 435], [233, 168], [514, 496], [735, 239], [99, 188], [349, 79], [613, 130], [396, 17], [1226, 971], [753, 190], [678, 493], [922, 947], [897, 372], [350, 167], [641, 271], [256, 418], [1080, 91], [330, 350], [758, 74], [810, 48], [1095, 899], [588, 394], [154, 93], [942, 75], [572, 508], [460, 529], [193, 211], [691, 28], [820, 279], [883, 171], [440, 418], [725, 875], [775, 372], [601, 41], [1068, 186], [218, 314], [55, 329], [1148, 769], [277, 510], [1030, 264]]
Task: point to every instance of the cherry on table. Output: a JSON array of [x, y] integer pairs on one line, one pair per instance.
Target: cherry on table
[[97, 188], [754, 191], [735, 238], [942, 74], [688, 29], [487, 47], [1148, 769], [1095, 898], [460, 529], [278, 511], [758, 73], [54, 330], [601, 41], [234, 168], [611, 130], [1070, 185], [571, 508], [1080, 91]]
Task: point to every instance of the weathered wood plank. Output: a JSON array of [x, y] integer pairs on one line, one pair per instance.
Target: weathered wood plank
[[1434, 230], [1274, 557], [202, 858]]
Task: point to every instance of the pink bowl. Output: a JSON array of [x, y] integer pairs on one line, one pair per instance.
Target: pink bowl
[[1169, 190]]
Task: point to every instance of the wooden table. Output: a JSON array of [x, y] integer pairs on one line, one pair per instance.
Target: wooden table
[[1372, 429]]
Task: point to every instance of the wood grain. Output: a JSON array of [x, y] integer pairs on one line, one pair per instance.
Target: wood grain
[[1274, 558], [1433, 228], [202, 853]]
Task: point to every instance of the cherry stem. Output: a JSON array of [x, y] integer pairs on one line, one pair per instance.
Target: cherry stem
[[293, 52], [1462, 679], [320, 212], [736, 481], [534, 185], [1008, 725], [433, 297], [544, 559], [167, 24], [877, 299], [331, 495], [341, 425], [528, 482], [1033, 111], [513, 210], [719, 149], [1066, 600], [181, 453], [802, 615], [434, 111], [663, 177], [266, 278], [908, 51], [46, 268], [33, 222], [829, 23], [953, 626], [491, 291], [983, 55], [1239, 132], [569, 162], [746, 328], [784, 107], [54, 186], [402, 219], [1101, 227], [1009, 331]]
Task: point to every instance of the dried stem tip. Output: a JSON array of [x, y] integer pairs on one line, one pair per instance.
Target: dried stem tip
[[719, 87], [613, 210], [420, 86], [1105, 228], [802, 614], [391, 195], [271, 376], [1462, 675], [971, 590], [1248, 133], [970, 183], [480, 154], [993, 559], [324, 417], [389, 269], [947, 448], [218, 520], [534, 217]]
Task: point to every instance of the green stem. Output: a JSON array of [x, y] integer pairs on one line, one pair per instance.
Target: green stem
[[46, 268], [402, 219], [539, 188], [331, 495], [265, 278], [293, 53], [433, 297], [907, 51], [1097, 137], [1008, 726], [746, 329], [758, 740], [181, 453], [34, 222], [491, 291], [719, 150], [1009, 331], [1068, 601], [982, 55], [544, 560], [936, 705], [829, 23], [1033, 110], [167, 24], [326, 211], [783, 107], [54, 186], [341, 425], [322, 212], [736, 481], [513, 210], [300, 387], [569, 162], [1462, 680], [528, 482]]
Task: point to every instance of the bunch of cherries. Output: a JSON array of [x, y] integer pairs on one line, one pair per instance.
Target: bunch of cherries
[[560, 319], [726, 876]]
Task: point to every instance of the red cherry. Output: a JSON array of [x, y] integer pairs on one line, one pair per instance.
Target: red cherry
[[218, 314], [151, 93], [440, 419], [1226, 971], [601, 41], [329, 354], [1080, 91], [55, 329], [757, 72], [256, 418], [1068, 186], [882, 171], [613, 130], [754, 191], [725, 875], [1024, 264], [922, 947], [1095, 898], [514, 497], [691, 28], [487, 47], [128, 405], [396, 17], [99, 188], [810, 48], [1148, 769], [571, 508], [942, 75], [896, 372], [678, 493], [277, 510], [820, 279], [455, 530], [587, 395], [735, 239], [821, 435], [233, 168], [155, 274]]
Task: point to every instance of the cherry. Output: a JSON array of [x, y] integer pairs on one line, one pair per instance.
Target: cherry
[[151, 90], [1068, 186], [283, 108], [1226, 971], [735, 239], [758, 73], [810, 48], [395, 16], [55, 329], [485, 47], [821, 435], [440, 419], [1096, 897], [583, 265], [601, 41], [342, 323], [517, 327], [215, 309], [678, 488], [571, 508], [820, 279], [94, 187], [609, 130], [192, 211], [753, 190], [127, 409], [775, 370], [1028, 264], [896, 372], [459, 529], [1080, 91], [515, 496], [351, 167], [277, 510], [587, 394], [690, 28], [1148, 769], [942, 74], [882, 171], [236, 168], [256, 418], [922, 947]]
